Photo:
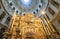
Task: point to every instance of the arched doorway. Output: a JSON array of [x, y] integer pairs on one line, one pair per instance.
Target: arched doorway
[[29, 35]]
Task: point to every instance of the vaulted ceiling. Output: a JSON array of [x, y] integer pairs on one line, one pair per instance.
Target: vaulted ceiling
[[32, 6]]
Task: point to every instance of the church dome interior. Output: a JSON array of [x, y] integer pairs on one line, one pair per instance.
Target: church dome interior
[[29, 19]]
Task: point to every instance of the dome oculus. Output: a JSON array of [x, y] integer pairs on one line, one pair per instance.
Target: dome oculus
[[26, 2]]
